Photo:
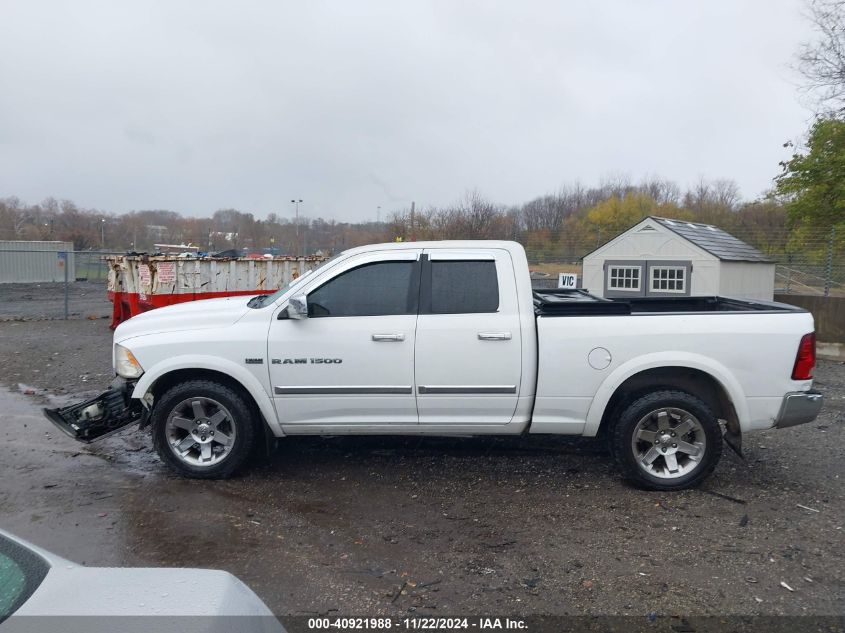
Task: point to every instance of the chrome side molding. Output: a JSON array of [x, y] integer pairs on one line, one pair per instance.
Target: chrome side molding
[[466, 389], [289, 391]]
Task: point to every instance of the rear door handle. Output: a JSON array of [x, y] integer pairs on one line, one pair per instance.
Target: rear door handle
[[494, 336], [388, 337]]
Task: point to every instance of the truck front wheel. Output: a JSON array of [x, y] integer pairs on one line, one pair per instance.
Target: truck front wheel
[[203, 429], [667, 440]]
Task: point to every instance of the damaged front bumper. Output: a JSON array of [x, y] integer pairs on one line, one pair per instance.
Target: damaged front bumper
[[99, 417]]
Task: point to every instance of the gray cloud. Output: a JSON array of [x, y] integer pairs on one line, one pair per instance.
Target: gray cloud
[[352, 105]]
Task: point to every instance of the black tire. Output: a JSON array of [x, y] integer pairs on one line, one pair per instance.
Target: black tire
[[629, 457], [243, 421]]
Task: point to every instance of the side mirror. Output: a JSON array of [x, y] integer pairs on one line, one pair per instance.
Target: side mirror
[[298, 307]]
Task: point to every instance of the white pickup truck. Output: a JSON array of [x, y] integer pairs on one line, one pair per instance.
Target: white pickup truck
[[442, 338]]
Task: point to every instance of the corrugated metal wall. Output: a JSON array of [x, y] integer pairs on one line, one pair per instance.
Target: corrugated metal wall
[[35, 262]]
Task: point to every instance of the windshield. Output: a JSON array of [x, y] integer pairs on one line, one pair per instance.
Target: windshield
[[21, 571], [266, 300]]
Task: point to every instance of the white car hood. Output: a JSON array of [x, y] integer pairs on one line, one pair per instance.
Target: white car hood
[[191, 315], [71, 590], [76, 599]]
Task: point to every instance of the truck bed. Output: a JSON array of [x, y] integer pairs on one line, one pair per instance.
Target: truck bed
[[560, 302]]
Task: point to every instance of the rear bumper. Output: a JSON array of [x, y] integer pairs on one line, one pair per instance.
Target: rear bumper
[[799, 407]]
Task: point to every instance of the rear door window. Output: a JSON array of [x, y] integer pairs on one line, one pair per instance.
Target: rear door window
[[461, 287]]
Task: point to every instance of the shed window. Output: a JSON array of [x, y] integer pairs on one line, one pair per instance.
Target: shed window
[[669, 279], [625, 278]]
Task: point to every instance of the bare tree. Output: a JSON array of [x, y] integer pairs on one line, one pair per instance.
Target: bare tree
[[480, 216], [726, 193], [660, 190], [822, 62], [550, 212], [14, 216]]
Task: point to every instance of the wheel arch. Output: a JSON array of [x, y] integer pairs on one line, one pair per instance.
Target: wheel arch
[[703, 378], [162, 377]]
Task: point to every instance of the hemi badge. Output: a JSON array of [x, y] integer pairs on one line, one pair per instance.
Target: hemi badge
[[254, 361]]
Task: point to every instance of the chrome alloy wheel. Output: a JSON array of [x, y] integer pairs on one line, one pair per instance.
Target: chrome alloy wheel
[[200, 431], [668, 443]]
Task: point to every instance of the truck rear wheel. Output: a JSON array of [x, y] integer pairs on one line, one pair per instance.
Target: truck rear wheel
[[203, 429], [667, 440]]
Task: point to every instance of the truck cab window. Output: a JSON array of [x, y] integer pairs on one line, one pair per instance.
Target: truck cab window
[[460, 287], [381, 288]]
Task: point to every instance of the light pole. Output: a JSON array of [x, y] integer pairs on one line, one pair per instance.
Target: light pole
[[298, 245], [378, 215], [103, 233]]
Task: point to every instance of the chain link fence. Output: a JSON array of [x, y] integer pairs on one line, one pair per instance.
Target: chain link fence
[[807, 264], [53, 284], [72, 284]]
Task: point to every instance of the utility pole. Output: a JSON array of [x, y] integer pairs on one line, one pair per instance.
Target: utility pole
[[788, 271], [67, 262], [828, 277], [413, 234], [378, 215], [298, 244]]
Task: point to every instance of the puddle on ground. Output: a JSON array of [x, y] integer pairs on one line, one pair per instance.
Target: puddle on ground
[[51, 399], [21, 421]]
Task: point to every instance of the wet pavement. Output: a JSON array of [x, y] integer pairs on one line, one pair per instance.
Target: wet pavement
[[429, 526]]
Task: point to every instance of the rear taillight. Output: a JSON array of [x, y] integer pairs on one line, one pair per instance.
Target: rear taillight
[[806, 359]]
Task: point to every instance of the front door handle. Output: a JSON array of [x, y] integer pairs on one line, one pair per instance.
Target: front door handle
[[494, 336], [388, 337]]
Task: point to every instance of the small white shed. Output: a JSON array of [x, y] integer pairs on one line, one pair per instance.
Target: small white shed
[[660, 257]]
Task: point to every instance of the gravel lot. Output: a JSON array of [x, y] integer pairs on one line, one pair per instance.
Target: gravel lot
[[429, 526], [24, 302]]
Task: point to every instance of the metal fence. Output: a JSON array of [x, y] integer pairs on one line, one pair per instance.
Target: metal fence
[[807, 264], [794, 277], [52, 284], [808, 278], [72, 284], [90, 265]]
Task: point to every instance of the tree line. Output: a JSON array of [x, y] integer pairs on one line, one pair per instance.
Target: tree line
[[566, 223], [563, 225]]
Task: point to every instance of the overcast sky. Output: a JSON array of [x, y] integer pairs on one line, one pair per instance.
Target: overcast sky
[[350, 105]]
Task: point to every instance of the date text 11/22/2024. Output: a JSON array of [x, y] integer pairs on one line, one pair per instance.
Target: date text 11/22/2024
[[422, 624]]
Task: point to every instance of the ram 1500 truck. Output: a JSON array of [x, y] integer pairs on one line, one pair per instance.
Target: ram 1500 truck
[[448, 338]]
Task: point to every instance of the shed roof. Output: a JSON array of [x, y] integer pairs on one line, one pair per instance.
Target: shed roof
[[714, 240]]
